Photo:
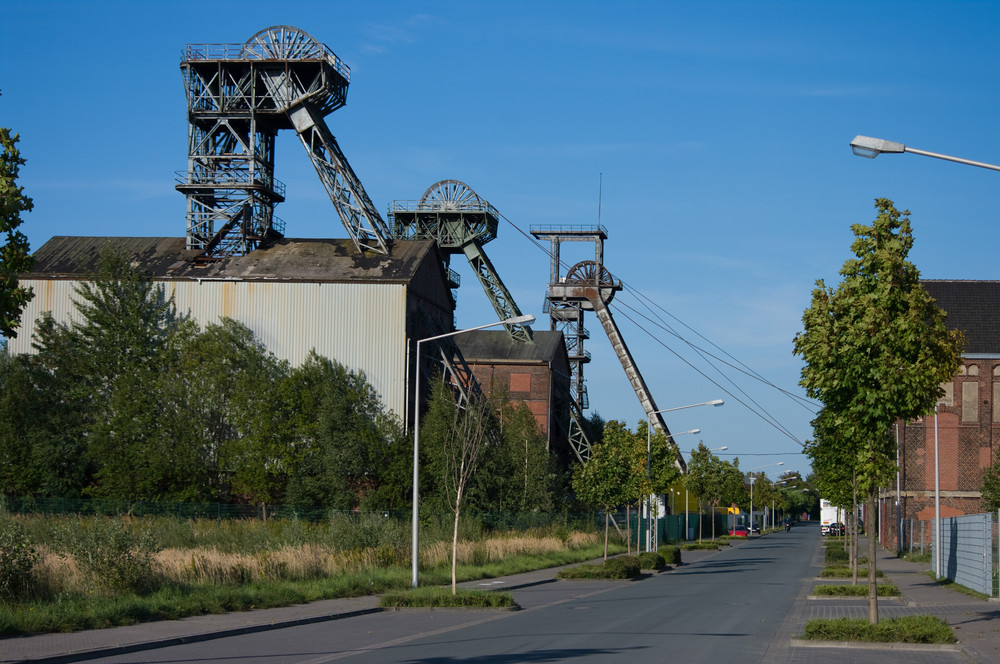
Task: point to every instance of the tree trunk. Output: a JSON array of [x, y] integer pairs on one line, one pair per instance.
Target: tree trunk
[[628, 532], [700, 519], [607, 527], [454, 542], [870, 534], [852, 536]]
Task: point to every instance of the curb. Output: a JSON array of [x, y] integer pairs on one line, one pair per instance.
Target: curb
[[197, 638], [876, 645]]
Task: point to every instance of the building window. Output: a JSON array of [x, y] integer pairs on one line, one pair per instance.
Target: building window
[[974, 370], [949, 395], [996, 401], [520, 382], [970, 402]]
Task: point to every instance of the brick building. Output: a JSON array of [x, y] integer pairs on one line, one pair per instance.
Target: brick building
[[536, 372], [967, 424]]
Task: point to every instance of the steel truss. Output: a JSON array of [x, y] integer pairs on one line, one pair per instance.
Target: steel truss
[[589, 286], [451, 213], [239, 96]]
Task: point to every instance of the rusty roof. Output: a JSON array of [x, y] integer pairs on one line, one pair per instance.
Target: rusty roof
[[307, 260], [497, 346]]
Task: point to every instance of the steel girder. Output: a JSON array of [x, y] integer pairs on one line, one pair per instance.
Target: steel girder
[[239, 96], [453, 215]]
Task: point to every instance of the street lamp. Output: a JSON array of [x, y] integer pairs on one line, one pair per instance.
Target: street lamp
[[415, 536], [752, 478], [649, 428], [868, 147]]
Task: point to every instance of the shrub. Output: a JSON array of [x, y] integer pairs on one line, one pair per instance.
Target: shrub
[[17, 560], [442, 597], [836, 555], [907, 629], [651, 560], [110, 552], [702, 546], [671, 554], [622, 567]]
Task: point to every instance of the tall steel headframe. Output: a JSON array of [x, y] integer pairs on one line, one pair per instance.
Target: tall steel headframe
[[451, 213], [590, 286], [238, 97]]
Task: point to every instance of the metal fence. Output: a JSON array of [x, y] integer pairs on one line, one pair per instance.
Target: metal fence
[[967, 552]]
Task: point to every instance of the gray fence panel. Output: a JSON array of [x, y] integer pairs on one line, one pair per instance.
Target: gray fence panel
[[967, 551]]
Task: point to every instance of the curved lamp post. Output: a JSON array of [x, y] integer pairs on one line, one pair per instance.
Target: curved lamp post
[[868, 147], [649, 429], [415, 535]]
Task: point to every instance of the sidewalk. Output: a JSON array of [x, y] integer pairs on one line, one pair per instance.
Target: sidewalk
[[976, 622]]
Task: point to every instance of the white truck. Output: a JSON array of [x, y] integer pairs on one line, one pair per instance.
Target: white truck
[[830, 514]]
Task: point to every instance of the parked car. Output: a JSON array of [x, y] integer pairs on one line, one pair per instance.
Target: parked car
[[755, 528], [738, 531], [833, 529]]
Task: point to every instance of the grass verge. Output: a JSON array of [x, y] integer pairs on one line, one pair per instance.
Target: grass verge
[[957, 587], [860, 590], [843, 572], [442, 598], [79, 611], [908, 629]]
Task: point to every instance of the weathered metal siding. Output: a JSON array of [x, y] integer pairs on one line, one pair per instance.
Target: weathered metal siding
[[362, 326]]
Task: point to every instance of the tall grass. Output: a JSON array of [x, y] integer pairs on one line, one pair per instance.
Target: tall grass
[[98, 571]]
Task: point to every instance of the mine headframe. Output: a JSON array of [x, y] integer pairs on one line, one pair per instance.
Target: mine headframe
[[238, 97], [589, 286]]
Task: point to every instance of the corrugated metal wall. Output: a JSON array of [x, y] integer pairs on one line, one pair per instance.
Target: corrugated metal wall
[[362, 326]]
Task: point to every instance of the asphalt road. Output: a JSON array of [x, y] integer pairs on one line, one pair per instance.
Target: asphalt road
[[725, 608]]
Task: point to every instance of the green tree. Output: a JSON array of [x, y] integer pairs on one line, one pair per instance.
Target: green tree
[[703, 478], [608, 479], [455, 438], [14, 253], [990, 487], [348, 452], [517, 475], [876, 350]]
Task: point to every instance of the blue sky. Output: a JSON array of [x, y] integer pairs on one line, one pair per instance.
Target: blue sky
[[714, 135]]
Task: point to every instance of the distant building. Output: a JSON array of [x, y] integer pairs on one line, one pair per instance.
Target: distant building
[[968, 417]]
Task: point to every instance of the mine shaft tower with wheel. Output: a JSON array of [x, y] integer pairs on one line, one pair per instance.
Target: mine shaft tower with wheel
[[238, 97], [461, 222], [589, 286]]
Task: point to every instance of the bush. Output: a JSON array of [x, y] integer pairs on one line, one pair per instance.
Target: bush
[[622, 567], [701, 546], [442, 597], [671, 554], [836, 555], [112, 554], [17, 560], [651, 560]]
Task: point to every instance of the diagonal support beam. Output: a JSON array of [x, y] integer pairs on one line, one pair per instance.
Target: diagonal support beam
[[360, 218]]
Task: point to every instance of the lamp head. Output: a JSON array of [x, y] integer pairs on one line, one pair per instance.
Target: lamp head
[[869, 148]]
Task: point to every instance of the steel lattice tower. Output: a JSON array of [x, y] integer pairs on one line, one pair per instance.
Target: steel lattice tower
[[238, 97], [452, 214]]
